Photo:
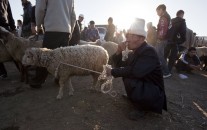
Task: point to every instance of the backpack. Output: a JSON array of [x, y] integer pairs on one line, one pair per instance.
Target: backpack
[[177, 31]]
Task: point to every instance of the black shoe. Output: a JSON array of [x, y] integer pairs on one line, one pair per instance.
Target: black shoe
[[3, 76], [136, 115]]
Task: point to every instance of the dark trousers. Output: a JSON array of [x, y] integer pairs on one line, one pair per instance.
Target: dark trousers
[[51, 40], [145, 96], [2, 69], [182, 67], [171, 52]]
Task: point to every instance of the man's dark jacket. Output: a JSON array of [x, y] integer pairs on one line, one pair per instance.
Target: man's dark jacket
[[142, 77], [6, 18], [27, 16], [178, 30]]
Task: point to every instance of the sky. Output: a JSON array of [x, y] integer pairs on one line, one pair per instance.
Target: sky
[[125, 11]]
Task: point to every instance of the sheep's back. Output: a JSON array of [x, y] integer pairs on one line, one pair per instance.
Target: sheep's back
[[17, 46], [201, 51], [84, 56]]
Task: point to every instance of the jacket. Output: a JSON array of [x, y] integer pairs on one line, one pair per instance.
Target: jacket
[[163, 25], [56, 15], [6, 18], [142, 77], [26, 26], [179, 29]]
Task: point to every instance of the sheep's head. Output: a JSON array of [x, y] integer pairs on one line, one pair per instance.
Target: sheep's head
[[5, 35], [30, 57]]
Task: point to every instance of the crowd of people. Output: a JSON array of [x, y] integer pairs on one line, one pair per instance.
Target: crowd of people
[[153, 56]]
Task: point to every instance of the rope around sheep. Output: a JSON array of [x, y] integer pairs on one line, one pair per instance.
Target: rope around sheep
[[102, 76]]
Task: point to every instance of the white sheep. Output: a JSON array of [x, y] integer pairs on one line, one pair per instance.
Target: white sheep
[[4, 54], [82, 42], [111, 47], [16, 47], [58, 62], [201, 51]]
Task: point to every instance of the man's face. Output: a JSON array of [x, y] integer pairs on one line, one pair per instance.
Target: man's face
[[159, 12], [23, 1], [80, 18], [134, 41], [192, 53]]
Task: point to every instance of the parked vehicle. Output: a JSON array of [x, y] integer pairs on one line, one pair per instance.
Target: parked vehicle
[[102, 32]]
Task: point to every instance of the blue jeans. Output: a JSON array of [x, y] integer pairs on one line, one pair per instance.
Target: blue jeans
[[160, 51]]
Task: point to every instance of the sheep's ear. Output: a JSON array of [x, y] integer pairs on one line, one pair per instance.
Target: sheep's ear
[[33, 54]]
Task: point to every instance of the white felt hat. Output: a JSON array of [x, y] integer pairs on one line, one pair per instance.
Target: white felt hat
[[137, 27]]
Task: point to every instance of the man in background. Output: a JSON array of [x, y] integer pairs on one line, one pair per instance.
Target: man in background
[[6, 21], [27, 15], [110, 30], [58, 24], [176, 37], [162, 28]]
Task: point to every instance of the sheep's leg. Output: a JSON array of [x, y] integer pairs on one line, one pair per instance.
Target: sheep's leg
[[95, 82], [61, 83], [21, 69], [25, 73], [71, 90]]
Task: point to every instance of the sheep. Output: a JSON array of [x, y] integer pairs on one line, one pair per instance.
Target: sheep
[[4, 54], [201, 51], [111, 47], [82, 42], [190, 39], [58, 62], [16, 47]]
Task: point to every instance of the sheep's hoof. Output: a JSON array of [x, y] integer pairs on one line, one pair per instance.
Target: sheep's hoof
[[59, 96]]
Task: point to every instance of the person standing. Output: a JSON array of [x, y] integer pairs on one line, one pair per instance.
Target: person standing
[[176, 38], [92, 33], [19, 28], [110, 30], [162, 29], [151, 34], [80, 20], [141, 72], [59, 25], [27, 15], [6, 21]]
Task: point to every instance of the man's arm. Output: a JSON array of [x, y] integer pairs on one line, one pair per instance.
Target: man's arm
[[10, 18], [40, 10]]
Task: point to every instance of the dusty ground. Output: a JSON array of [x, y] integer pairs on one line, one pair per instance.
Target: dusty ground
[[23, 108]]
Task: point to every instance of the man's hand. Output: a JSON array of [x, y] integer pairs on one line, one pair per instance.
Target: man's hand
[[40, 30], [198, 67], [121, 47]]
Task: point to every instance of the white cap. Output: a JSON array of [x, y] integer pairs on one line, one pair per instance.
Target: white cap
[[81, 15], [137, 27]]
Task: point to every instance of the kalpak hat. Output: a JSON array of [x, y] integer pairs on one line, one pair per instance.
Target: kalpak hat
[[137, 27]]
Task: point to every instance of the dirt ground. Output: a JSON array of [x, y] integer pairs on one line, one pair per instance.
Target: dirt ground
[[24, 108]]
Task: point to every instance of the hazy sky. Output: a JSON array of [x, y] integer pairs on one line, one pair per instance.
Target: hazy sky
[[124, 11]]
